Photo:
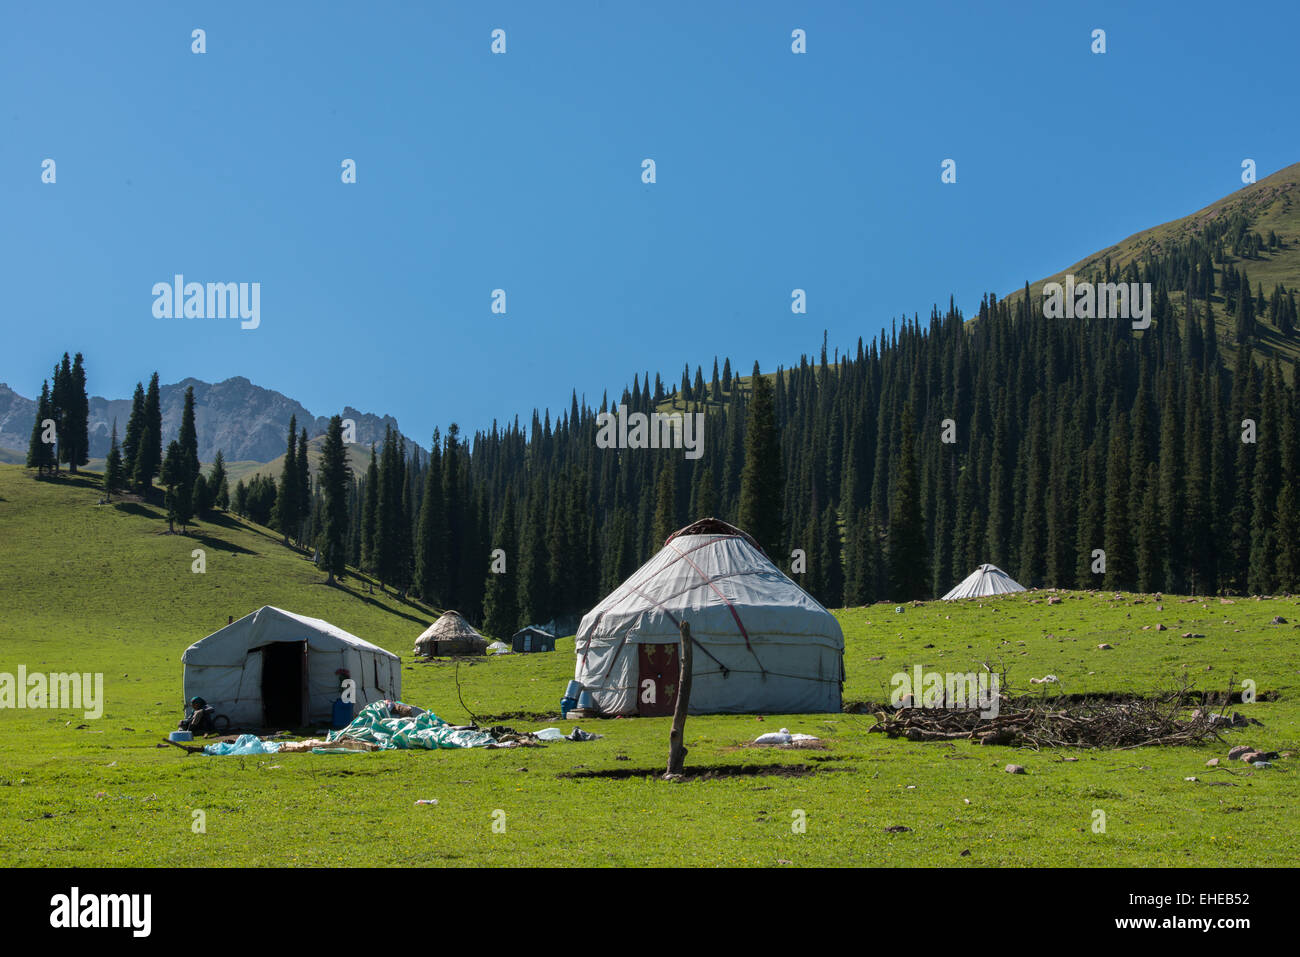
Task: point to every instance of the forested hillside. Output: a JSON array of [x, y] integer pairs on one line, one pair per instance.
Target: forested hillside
[[1074, 452], [1066, 437]]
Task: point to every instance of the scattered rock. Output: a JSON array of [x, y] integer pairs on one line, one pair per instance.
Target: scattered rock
[[1278, 620], [1192, 634], [1189, 779], [1250, 757], [1014, 769], [1212, 763], [897, 829], [1161, 627], [1238, 751], [965, 853], [1105, 647], [1069, 758]]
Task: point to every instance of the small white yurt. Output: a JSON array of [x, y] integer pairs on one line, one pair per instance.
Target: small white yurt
[[277, 669], [761, 643], [982, 582]]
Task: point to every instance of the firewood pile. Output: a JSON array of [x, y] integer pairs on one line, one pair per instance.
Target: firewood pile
[[1052, 724]]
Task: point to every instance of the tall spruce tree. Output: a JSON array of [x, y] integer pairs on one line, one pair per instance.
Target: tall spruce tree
[[335, 475], [501, 599], [41, 454], [533, 576], [74, 434], [148, 456], [113, 475], [369, 515], [762, 482], [218, 482], [830, 554], [431, 534], [666, 519], [178, 480], [302, 471], [134, 426], [907, 552], [287, 504]]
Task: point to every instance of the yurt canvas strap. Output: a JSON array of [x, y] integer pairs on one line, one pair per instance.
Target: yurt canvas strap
[[726, 601]]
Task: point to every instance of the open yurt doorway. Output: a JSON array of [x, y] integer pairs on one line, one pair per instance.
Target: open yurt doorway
[[284, 684]]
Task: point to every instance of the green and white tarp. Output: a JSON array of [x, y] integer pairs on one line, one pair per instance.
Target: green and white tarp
[[377, 724]]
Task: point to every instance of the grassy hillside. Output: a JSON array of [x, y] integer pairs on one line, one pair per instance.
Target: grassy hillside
[[1271, 204], [103, 588]]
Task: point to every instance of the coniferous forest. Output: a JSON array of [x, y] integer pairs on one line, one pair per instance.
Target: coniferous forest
[[1172, 450], [1076, 453]]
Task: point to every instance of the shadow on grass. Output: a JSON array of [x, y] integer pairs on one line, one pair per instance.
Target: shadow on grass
[[218, 544], [362, 596], [137, 509], [67, 478], [704, 772]]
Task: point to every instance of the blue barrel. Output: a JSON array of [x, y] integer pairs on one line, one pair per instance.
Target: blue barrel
[[585, 702], [342, 714], [573, 690], [567, 705], [180, 736]]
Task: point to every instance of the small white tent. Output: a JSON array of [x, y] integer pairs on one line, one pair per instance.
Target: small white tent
[[277, 669], [761, 643], [983, 581]]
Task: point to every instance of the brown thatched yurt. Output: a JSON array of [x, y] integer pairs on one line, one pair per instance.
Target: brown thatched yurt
[[450, 635]]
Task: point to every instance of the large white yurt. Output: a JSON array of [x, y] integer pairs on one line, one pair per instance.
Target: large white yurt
[[277, 669], [761, 643]]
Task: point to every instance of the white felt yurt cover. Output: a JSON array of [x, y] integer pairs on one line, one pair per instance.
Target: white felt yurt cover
[[983, 581], [761, 643], [225, 668]]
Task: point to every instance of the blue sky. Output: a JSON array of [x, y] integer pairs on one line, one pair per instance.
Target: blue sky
[[522, 171]]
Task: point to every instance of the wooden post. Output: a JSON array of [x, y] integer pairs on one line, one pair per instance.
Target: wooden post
[[676, 749]]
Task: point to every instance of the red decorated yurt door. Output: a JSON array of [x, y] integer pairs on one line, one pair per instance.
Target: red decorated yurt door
[[657, 683]]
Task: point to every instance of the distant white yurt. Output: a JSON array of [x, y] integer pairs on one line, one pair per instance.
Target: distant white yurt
[[983, 581], [761, 643], [277, 669]]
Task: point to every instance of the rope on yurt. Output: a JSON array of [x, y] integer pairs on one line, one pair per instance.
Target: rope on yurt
[[727, 601]]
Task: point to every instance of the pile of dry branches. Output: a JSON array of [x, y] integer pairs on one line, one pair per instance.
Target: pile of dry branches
[[1053, 724]]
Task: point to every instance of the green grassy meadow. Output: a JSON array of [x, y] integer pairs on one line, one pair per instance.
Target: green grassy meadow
[[96, 588]]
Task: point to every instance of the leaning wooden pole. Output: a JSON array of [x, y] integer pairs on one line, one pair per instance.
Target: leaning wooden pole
[[676, 749]]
